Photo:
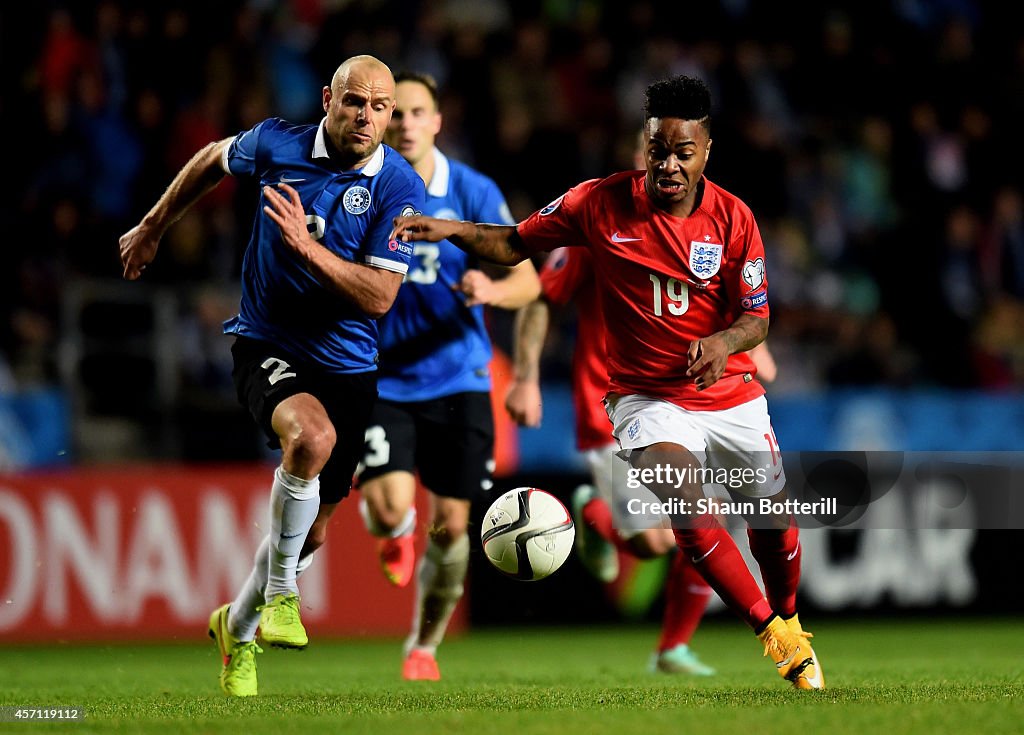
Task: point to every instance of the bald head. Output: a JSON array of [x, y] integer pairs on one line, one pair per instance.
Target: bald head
[[358, 103], [363, 63]]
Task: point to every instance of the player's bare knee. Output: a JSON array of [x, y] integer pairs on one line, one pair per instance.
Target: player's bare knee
[[445, 533], [311, 444], [450, 522]]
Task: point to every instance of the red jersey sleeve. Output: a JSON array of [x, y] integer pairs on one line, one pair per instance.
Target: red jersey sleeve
[[563, 223], [747, 288], [563, 273]]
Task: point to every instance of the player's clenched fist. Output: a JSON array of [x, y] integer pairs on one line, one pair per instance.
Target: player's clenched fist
[[138, 248]]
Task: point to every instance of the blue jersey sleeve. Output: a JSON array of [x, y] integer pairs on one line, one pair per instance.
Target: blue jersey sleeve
[[241, 156], [403, 196]]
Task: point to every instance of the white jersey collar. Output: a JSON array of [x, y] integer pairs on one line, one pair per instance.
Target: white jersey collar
[[438, 186], [372, 167]]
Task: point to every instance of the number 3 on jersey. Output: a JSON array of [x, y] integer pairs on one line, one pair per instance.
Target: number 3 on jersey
[[378, 448], [429, 257], [678, 294]]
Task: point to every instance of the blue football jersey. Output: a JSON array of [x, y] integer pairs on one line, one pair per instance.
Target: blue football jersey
[[348, 212], [431, 343]]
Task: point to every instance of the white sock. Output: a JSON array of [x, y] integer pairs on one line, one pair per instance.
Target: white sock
[[439, 578], [405, 526], [294, 504], [243, 618]]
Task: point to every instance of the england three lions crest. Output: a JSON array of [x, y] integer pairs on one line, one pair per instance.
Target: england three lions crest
[[705, 259]]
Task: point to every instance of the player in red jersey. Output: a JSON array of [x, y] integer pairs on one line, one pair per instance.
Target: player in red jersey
[[568, 276], [681, 273]]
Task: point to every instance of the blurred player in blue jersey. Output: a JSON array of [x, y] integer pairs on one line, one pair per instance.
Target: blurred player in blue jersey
[[434, 412], [318, 271]]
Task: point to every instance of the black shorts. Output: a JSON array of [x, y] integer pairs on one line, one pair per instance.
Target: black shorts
[[265, 375], [449, 440]]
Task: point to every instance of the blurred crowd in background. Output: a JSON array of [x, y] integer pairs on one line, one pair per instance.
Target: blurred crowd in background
[[878, 143]]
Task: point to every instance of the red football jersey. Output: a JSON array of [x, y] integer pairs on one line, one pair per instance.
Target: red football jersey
[[567, 276], [663, 281]]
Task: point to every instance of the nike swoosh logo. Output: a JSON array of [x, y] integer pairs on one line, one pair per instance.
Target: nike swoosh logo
[[707, 554], [290, 181], [791, 556], [616, 237], [817, 681], [777, 475], [786, 662]]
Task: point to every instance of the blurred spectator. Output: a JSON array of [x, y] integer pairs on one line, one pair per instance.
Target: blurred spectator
[[866, 194], [1003, 255], [998, 354], [63, 55], [961, 277]]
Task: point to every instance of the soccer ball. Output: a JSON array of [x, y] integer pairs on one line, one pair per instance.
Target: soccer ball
[[527, 533]]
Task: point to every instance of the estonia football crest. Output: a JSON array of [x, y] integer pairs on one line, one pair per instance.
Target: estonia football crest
[[356, 200], [705, 259]]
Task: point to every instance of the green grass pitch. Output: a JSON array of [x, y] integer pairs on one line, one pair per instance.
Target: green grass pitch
[[889, 675]]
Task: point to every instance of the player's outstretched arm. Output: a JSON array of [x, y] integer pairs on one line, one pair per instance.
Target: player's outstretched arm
[[707, 356], [494, 243], [523, 401], [371, 289], [505, 288], [203, 172]]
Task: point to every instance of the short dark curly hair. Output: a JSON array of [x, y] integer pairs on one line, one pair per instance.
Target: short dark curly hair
[[684, 97]]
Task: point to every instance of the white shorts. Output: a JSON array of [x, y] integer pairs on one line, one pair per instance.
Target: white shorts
[[737, 444]]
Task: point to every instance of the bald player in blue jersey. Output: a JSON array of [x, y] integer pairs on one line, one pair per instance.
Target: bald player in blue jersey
[[434, 413], [318, 271]]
